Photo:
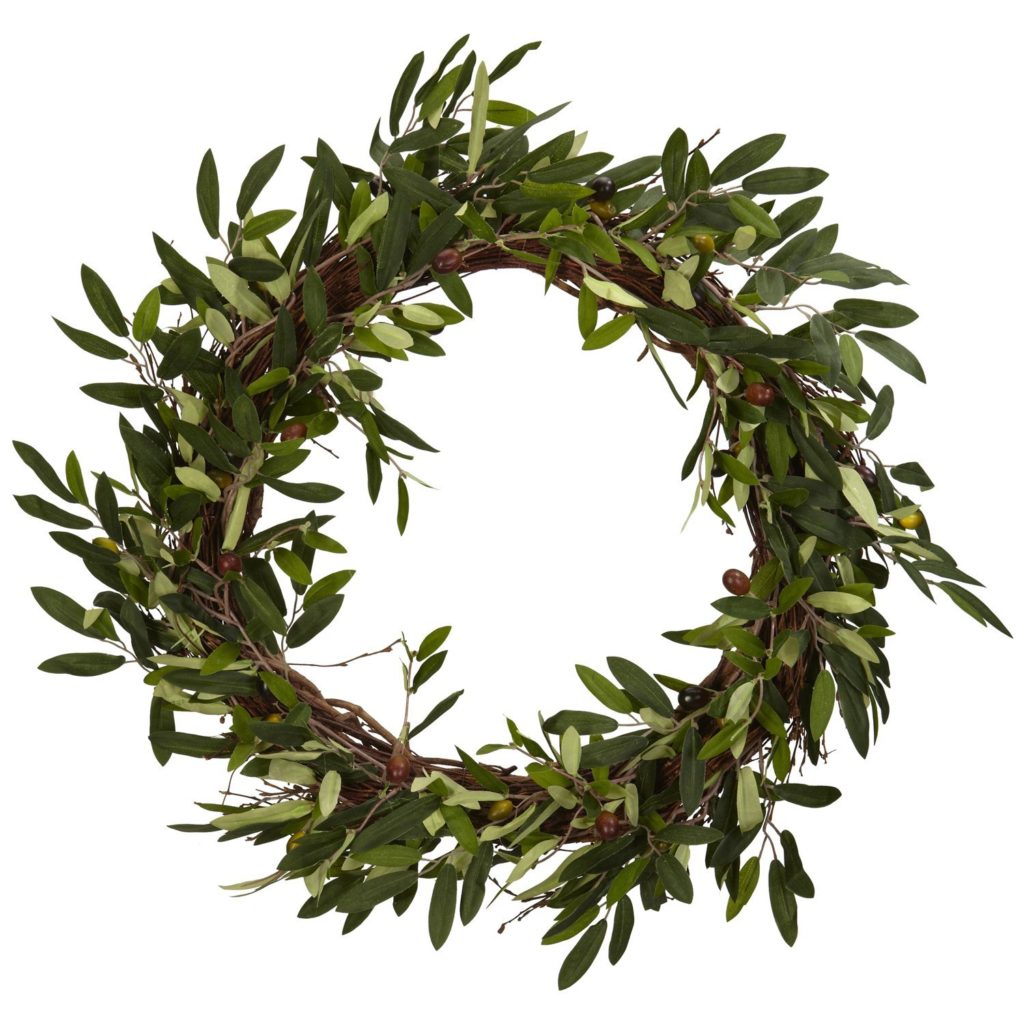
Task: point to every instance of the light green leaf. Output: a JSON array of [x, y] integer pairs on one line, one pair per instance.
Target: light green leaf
[[197, 481], [374, 212], [330, 789], [286, 810], [611, 292], [570, 750], [837, 602], [478, 120], [236, 290], [748, 805], [823, 701]]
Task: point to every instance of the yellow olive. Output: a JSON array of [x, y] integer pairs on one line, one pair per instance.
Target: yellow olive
[[703, 243], [499, 810], [602, 208], [294, 841], [106, 542], [221, 479], [275, 717], [912, 522]]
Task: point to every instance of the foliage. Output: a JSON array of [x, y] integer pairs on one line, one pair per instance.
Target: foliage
[[282, 338]]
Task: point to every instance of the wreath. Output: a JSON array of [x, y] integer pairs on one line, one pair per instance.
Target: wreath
[[273, 348]]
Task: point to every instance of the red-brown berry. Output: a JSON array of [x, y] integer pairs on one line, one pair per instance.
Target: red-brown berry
[[867, 475], [736, 582], [398, 769], [447, 261], [294, 431], [607, 826], [227, 562], [759, 394]]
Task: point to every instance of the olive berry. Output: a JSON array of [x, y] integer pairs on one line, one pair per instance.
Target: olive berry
[[703, 243], [294, 431], [602, 186], [500, 810], [106, 542], [294, 840], [759, 394], [447, 261], [912, 522], [693, 697], [272, 718], [602, 209], [736, 582], [228, 561], [398, 769], [221, 479], [867, 475], [607, 826]]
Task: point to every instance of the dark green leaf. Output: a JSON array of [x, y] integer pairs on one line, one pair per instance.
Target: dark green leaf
[[474, 885], [897, 354], [882, 412], [783, 902], [622, 928], [208, 194], [973, 605], [675, 878], [441, 915], [92, 343], [83, 664], [784, 180], [875, 313], [42, 469], [613, 751], [257, 177], [805, 796], [103, 303], [404, 90], [42, 509], [394, 238], [641, 686], [60, 607], [911, 473], [403, 504], [402, 822], [742, 607], [314, 619], [747, 158], [604, 690], [691, 773], [315, 492], [127, 396], [191, 744], [586, 723], [432, 642], [582, 955], [366, 895], [689, 835], [426, 671], [436, 712], [511, 60], [796, 878]]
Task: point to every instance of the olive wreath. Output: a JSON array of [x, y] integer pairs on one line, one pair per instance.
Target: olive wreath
[[273, 349]]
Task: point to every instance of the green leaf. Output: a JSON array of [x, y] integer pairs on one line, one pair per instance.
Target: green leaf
[[314, 619], [604, 690], [747, 158], [609, 332], [875, 313], [83, 664], [264, 224], [582, 955], [376, 211], [365, 896], [638, 684], [586, 723], [748, 608], [838, 603], [749, 875], [897, 354], [613, 751], [265, 609], [441, 915], [197, 481], [511, 60], [208, 194], [673, 166], [797, 880], [147, 316], [474, 885], [436, 712], [804, 795], [192, 745], [103, 303], [882, 412], [746, 211], [403, 91], [611, 292], [62, 608], [315, 492], [784, 180], [403, 505], [402, 822], [292, 566], [675, 878], [691, 773], [127, 396], [911, 473], [783, 902], [257, 177], [91, 343], [42, 509], [622, 928], [478, 119], [689, 835], [432, 642], [972, 604], [235, 289], [823, 701]]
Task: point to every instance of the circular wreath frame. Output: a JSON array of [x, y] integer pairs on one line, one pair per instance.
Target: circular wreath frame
[[274, 353]]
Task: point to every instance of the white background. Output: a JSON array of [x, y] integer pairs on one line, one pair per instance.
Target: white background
[[553, 536]]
